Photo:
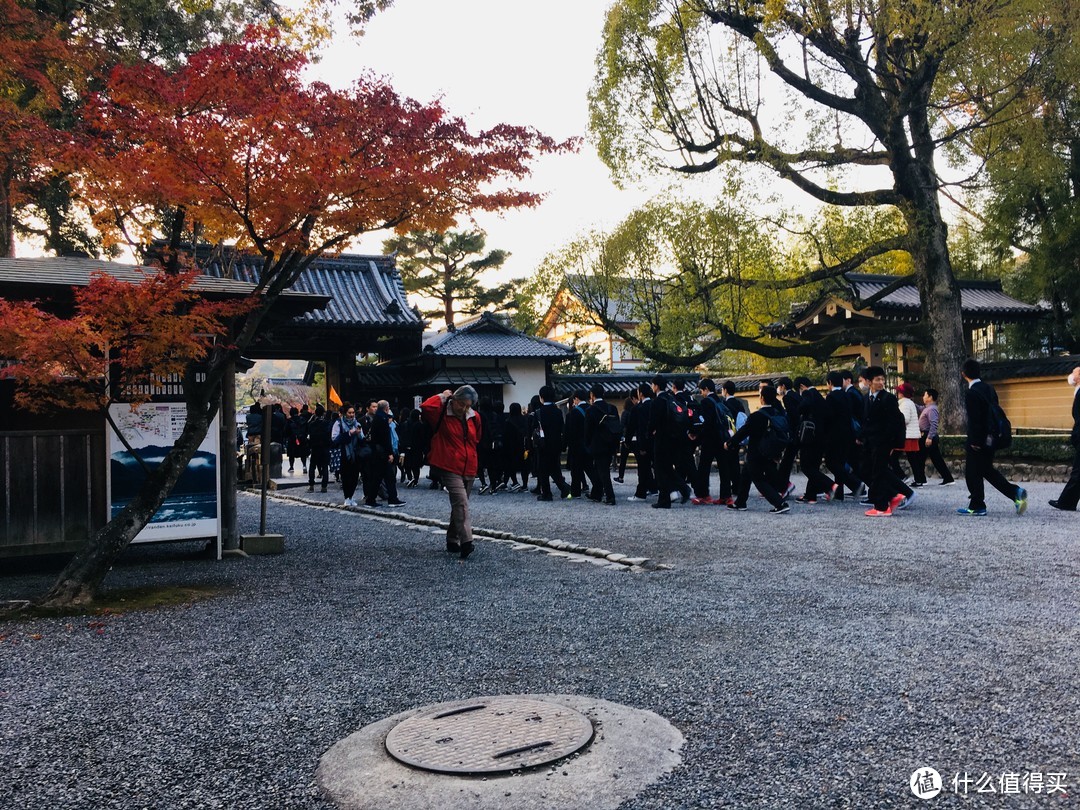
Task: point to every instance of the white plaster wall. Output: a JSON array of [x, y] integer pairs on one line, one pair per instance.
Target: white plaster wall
[[528, 374]]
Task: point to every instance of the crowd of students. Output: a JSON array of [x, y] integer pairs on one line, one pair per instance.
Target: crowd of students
[[848, 437]]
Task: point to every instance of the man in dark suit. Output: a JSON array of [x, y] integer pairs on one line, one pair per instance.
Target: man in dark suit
[[791, 402], [979, 448], [601, 442], [637, 434], [883, 435], [578, 460], [1070, 495], [666, 446], [839, 436], [549, 467]]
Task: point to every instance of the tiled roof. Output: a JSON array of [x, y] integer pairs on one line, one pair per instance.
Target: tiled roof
[[618, 383], [1033, 367], [976, 297], [486, 336], [453, 377], [66, 271], [364, 291]]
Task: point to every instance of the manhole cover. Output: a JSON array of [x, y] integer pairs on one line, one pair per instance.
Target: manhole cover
[[489, 735]]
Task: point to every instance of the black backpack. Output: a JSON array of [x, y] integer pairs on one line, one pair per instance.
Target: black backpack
[[777, 436], [680, 418], [610, 427], [998, 426]]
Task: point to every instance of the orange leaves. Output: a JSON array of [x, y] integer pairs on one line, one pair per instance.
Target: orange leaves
[[123, 336], [256, 155]]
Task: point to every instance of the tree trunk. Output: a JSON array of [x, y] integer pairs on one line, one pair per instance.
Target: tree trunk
[[7, 217], [938, 291]]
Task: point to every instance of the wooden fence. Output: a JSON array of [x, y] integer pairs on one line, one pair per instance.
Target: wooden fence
[[54, 494]]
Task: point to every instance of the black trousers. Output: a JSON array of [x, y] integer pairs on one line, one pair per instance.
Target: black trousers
[[708, 454], [884, 483], [760, 472], [933, 452], [602, 488], [646, 480], [979, 467], [1070, 495], [810, 457], [581, 470], [665, 458], [836, 459], [549, 469], [624, 454], [320, 461]]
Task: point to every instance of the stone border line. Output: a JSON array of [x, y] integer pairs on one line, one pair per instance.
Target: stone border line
[[602, 557]]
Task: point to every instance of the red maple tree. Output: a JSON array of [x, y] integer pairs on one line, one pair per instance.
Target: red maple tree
[[247, 151]]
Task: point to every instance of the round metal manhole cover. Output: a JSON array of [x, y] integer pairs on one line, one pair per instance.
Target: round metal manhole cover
[[489, 735]]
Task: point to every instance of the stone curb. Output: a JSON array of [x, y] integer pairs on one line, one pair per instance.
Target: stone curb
[[614, 559]]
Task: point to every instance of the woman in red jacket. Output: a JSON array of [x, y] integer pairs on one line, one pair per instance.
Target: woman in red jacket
[[455, 433]]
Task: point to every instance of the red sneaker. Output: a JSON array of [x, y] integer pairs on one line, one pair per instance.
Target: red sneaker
[[895, 501], [876, 513]]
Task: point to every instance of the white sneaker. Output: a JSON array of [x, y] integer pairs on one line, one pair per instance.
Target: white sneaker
[[635, 498]]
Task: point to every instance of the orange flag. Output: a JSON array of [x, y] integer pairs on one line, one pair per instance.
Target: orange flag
[[334, 397]]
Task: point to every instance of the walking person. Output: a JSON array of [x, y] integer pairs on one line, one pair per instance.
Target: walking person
[[981, 444], [296, 433], [514, 461], [711, 435], [578, 461], [1069, 496], [667, 445], [761, 459], [905, 394], [839, 438], [929, 440], [811, 430], [549, 443], [603, 430], [624, 443], [349, 436], [637, 433], [318, 431], [883, 436], [456, 432]]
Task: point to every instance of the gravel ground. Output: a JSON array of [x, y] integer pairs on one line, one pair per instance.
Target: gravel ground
[[813, 659]]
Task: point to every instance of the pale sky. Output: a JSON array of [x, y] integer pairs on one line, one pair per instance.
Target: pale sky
[[501, 61]]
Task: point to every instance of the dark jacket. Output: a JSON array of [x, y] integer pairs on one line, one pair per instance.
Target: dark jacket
[[318, 432], [574, 430], [380, 433], [637, 428], [596, 442], [1075, 437], [658, 415], [754, 429], [978, 399], [883, 423], [838, 427], [550, 418], [812, 408]]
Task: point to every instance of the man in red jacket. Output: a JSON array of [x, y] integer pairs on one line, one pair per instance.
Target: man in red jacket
[[455, 433]]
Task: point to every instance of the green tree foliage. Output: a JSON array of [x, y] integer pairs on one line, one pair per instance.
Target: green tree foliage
[[438, 266], [852, 102], [705, 282], [1033, 193]]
